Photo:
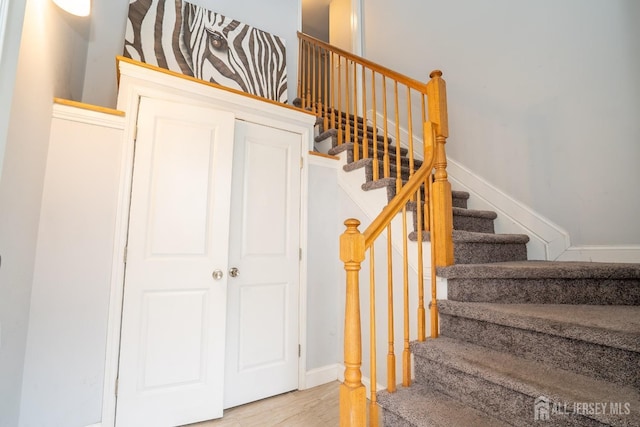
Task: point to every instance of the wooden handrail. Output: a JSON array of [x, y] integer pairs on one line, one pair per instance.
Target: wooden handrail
[[401, 78], [379, 224]]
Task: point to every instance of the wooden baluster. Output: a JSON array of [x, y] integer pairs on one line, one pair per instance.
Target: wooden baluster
[[376, 162], [352, 392], [398, 155], [433, 307], [426, 222], [373, 407], [347, 129], [355, 104], [441, 196], [339, 114], [385, 156], [391, 355], [410, 131], [307, 92], [314, 80], [333, 93], [365, 141], [300, 68], [406, 353], [421, 309], [325, 122]]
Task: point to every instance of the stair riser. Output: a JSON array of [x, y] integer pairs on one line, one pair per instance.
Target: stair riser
[[545, 291], [496, 400], [598, 361], [466, 223], [469, 223], [478, 253]]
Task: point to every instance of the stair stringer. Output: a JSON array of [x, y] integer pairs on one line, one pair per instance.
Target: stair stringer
[[548, 241]]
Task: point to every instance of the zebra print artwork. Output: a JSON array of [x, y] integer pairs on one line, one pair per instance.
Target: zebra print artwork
[[197, 42]]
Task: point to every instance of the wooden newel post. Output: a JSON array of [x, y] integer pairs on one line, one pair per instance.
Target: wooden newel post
[[352, 392], [442, 203]]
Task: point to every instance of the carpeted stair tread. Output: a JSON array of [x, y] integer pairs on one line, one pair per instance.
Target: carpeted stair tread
[[418, 406], [543, 269], [337, 149], [333, 134], [461, 236], [482, 368], [475, 213], [611, 326]]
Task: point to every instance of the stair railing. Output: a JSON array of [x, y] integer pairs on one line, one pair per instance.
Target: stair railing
[[339, 88]]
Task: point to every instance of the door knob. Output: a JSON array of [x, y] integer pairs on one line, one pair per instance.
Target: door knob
[[217, 274], [234, 272]]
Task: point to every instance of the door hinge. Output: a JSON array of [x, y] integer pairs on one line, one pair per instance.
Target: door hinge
[[117, 381], [299, 350], [124, 256], [135, 133], [300, 254], [301, 162]]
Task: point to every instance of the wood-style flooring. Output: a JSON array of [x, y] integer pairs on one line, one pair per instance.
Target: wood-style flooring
[[315, 407]]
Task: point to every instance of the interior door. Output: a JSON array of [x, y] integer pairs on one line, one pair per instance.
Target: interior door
[[262, 328], [173, 323]]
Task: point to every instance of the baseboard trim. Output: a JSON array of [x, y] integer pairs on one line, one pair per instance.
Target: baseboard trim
[[322, 375], [597, 253]]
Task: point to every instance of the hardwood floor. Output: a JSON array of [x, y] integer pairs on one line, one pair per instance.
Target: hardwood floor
[[315, 407]]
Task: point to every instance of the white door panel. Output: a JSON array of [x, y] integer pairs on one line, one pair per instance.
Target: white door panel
[[262, 329], [173, 328]]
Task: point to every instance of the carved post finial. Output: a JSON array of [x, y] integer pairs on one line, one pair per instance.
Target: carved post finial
[[435, 73]]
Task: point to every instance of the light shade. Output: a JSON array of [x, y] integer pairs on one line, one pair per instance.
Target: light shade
[[75, 7]]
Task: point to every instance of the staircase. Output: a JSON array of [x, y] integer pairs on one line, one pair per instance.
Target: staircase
[[521, 342]]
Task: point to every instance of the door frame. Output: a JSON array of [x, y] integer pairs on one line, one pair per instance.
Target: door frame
[[137, 81]]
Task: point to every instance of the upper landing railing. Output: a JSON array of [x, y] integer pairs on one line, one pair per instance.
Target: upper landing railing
[[400, 125]]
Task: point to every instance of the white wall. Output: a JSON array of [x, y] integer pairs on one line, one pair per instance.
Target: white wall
[[279, 17], [65, 358], [48, 51], [323, 286], [543, 99], [11, 14]]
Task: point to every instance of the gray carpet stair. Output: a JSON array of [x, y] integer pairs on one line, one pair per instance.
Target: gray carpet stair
[[516, 335]]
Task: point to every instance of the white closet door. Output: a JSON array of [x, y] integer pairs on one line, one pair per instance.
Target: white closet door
[[173, 327], [262, 330]]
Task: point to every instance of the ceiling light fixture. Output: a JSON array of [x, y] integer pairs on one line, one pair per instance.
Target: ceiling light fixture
[[75, 7]]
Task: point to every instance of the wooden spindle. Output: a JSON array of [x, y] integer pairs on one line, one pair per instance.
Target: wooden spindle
[[406, 353], [391, 355], [326, 101], [347, 131], [410, 131], [398, 152], [352, 391], [376, 162], [339, 113], [356, 110], [441, 196], [365, 133], [421, 309], [433, 306], [333, 93], [373, 412], [385, 156], [314, 80]]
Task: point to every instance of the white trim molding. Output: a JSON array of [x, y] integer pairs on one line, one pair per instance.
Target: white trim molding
[[601, 253], [82, 115], [548, 240], [323, 375]]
